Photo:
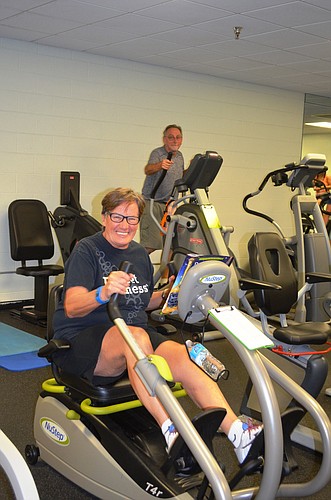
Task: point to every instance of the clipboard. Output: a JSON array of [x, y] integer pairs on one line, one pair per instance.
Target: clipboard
[[238, 325]]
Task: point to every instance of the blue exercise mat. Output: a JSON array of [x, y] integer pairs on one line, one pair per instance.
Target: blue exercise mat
[[14, 341], [23, 361], [18, 349]]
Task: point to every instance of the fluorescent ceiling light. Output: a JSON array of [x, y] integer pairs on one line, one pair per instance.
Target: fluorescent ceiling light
[[320, 124]]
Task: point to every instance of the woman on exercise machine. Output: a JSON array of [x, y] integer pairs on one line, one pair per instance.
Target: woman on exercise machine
[[98, 351]]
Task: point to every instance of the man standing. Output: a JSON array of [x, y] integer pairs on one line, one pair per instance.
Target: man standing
[[164, 158]]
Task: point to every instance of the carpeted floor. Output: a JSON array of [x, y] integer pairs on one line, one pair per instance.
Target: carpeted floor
[[19, 392]]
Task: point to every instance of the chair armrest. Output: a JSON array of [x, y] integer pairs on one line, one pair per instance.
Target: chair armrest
[[53, 346], [252, 284], [318, 277]]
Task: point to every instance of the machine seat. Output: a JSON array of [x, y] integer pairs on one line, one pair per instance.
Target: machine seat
[[101, 395], [303, 333], [80, 388]]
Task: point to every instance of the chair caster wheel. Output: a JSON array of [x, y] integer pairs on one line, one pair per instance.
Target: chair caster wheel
[[31, 454]]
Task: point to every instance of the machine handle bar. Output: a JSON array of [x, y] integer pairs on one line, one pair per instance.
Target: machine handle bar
[[162, 176], [112, 306]]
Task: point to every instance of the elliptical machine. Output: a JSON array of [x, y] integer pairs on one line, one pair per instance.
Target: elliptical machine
[[195, 227], [311, 251], [111, 454]]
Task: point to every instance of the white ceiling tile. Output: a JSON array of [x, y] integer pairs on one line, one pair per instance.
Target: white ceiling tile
[[285, 38], [291, 14], [237, 48], [20, 33], [76, 11], [134, 23], [165, 61], [7, 12], [65, 42], [322, 30], [22, 5], [280, 57], [125, 5], [193, 54], [99, 36], [326, 4], [313, 66], [240, 64], [138, 47], [250, 26], [190, 36], [316, 51], [184, 12], [241, 6], [40, 23]]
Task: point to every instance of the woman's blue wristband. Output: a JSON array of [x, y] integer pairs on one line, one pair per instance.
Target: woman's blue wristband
[[98, 296]]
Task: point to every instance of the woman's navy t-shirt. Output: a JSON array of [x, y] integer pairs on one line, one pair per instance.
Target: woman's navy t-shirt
[[89, 264]]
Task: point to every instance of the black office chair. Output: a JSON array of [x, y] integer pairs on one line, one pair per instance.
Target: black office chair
[[31, 239]]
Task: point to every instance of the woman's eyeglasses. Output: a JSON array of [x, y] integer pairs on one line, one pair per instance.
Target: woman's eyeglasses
[[117, 218]]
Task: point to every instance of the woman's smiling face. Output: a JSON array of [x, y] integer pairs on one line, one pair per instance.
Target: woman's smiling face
[[120, 234]]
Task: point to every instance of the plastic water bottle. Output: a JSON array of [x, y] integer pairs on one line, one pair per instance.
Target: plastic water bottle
[[200, 355]]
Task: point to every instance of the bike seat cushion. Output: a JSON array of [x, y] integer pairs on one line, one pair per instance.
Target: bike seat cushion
[[304, 333]]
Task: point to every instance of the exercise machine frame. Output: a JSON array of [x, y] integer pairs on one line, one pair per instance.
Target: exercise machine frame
[[311, 252], [102, 475]]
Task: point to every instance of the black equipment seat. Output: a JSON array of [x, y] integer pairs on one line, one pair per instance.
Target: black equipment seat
[[201, 172], [270, 262], [31, 239], [102, 395]]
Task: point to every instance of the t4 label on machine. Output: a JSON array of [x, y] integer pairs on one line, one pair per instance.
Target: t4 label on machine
[[54, 431]]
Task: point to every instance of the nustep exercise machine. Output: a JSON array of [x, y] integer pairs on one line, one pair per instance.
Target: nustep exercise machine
[[120, 454], [311, 251]]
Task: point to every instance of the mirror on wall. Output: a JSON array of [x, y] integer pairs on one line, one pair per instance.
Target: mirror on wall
[[317, 139]]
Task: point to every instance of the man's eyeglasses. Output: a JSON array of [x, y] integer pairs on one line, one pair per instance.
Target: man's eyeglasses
[[172, 137], [117, 218]]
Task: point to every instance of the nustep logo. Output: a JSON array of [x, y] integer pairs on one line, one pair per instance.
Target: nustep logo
[[212, 279], [54, 431]]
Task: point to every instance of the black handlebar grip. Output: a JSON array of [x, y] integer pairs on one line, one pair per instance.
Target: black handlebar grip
[[126, 266], [162, 176], [112, 306], [172, 268]]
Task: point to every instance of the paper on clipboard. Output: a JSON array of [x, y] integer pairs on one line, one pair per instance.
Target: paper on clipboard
[[240, 327]]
